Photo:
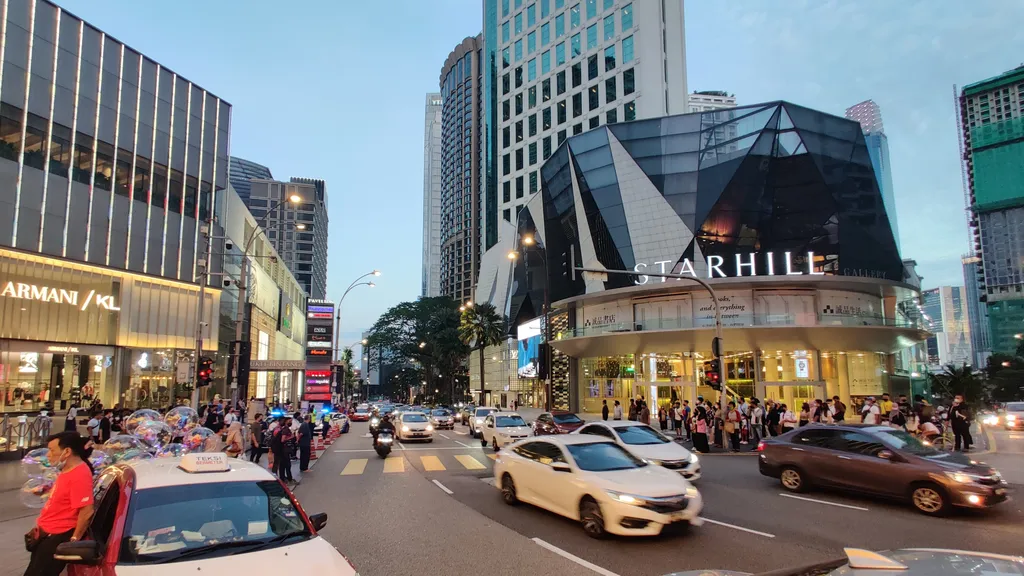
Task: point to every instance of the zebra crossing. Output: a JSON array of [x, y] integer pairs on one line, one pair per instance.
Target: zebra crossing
[[399, 463]]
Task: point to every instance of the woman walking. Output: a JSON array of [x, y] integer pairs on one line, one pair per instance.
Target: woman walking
[[67, 512], [233, 442]]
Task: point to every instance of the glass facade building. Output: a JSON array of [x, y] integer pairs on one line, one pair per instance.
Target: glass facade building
[[775, 204], [241, 171], [431, 276]]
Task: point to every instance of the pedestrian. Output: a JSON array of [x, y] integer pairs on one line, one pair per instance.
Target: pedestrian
[[885, 408], [233, 441], [805, 414], [71, 419], [870, 414], [645, 413], [632, 410], [604, 409], [687, 418], [69, 509], [774, 419], [268, 441], [700, 429], [325, 425], [280, 445], [822, 413], [305, 443], [105, 425], [960, 420], [756, 419], [230, 417], [733, 419], [839, 410], [662, 418], [677, 419], [617, 411], [787, 419], [256, 432], [93, 428]]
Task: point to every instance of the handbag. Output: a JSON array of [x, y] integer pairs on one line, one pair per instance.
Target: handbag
[[32, 538]]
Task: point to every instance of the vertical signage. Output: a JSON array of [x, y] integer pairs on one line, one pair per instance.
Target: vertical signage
[[319, 350]]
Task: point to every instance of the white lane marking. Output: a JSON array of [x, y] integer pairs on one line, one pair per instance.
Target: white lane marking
[[740, 528], [461, 444], [461, 433], [574, 558], [353, 450], [805, 499], [443, 436], [443, 487], [423, 448], [402, 446]]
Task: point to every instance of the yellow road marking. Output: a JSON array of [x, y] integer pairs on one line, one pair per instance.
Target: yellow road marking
[[469, 462], [354, 467], [431, 463], [394, 464], [492, 456]]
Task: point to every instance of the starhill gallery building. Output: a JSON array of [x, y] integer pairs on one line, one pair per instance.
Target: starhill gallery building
[[774, 204]]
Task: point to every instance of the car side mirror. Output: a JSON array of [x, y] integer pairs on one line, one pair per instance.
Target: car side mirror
[[887, 455], [318, 521], [561, 467], [80, 552]]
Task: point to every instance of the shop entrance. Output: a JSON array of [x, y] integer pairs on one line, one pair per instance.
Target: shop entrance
[[793, 394]]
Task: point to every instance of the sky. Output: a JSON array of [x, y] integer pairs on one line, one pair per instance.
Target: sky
[[335, 89]]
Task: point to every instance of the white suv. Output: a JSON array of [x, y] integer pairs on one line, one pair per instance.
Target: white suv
[[503, 428]]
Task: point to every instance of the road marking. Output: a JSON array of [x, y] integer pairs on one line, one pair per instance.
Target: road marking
[[492, 456], [402, 446], [431, 463], [461, 433], [805, 499], [354, 467], [354, 450], [469, 462], [443, 436], [463, 444], [489, 480], [740, 528], [574, 558], [443, 487], [394, 464]]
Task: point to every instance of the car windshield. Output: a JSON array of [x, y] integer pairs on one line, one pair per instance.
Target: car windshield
[[566, 419], [640, 436], [1015, 407], [362, 411], [484, 411], [441, 413], [171, 522], [900, 440], [603, 457], [507, 421], [414, 417]]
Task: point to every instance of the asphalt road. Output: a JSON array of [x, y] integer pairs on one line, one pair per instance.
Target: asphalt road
[[433, 507]]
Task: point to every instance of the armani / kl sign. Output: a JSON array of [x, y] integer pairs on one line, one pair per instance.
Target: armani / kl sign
[[743, 267], [57, 295]]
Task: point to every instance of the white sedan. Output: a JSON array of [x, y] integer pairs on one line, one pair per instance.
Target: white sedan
[[647, 443], [598, 483], [503, 428], [414, 426]]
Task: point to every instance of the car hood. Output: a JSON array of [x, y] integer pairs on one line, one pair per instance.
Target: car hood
[[653, 481], [514, 430], [669, 451], [709, 573], [416, 425], [317, 555], [958, 462], [570, 427]]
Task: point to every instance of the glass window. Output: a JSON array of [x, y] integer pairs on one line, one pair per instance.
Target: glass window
[[505, 84], [560, 82], [545, 34], [519, 23], [612, 116], [519, 159], [10, 132], [506, 191], [591, 36], [519, 50], [860, 443], [595, 98], [105, 173], [559, 4], [519, 4], [577, 75], [561, 112], [519, 189], [609, 58], [546, 119], [595, 122], [60, 150], [507, 215], [531, 42], [519, 76], [506, 110], [592, 70], [519, 103], [578, 129], [609, 27], [545, 90], [627, 50], [608, 4], [545, 8], [532, 153], [597, 430], [628, 82], [140, 189], [504, 8], [506, 164], [532, 96], [545, 62], [574, 44], [519, 131], [546, 145], [531, 70], [560, 54], [627, 17], [532, 124], [561, 137], [591, 9], [533, 179], [574, 16], [505, 60], [577, 105], [123, 176], [505, 32], [531, 15], [609, 90], [559, 25]]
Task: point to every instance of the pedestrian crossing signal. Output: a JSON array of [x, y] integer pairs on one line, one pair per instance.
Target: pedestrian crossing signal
[[204, 376]]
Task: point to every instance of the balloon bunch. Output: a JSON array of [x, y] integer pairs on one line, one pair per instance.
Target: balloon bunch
[[146, 435]]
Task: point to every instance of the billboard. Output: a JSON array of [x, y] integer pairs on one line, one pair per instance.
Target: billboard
[[319, 331], [529, 336]]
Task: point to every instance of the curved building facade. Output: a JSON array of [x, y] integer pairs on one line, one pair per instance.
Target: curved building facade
[[462, 105], [774, 204]]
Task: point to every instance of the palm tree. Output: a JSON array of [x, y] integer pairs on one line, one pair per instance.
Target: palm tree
[[962, 380], [481, 326]]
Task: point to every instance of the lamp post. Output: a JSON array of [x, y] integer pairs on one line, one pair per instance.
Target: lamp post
[[528, 241], [337, 311], [242, 286], [344, 366]]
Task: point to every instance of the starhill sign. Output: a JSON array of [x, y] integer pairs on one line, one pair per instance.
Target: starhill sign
[[40, 293], [750, 264]]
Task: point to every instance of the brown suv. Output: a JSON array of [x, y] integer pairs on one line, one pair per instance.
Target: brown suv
[[880, 461]]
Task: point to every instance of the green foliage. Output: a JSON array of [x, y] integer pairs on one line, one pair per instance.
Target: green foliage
[[1006, 377], [482, 326], [963, 380]]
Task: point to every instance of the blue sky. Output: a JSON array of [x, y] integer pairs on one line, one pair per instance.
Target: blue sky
[[335, 89]]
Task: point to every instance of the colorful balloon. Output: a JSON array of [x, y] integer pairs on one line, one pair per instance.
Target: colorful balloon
[[173, 450], [35, 463], [181, 419], [36, 491], [199, 439], [133, 455], [120, 443], [154, 434], [138, 417]]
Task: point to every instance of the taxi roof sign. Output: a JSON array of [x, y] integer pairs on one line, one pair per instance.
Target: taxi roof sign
[[205, 463]]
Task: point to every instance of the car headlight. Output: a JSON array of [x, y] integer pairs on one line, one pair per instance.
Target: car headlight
[[479, 421], [630, 499], [405, 428], [429, 427], [1011, 417], [655, 462], [691, 492], [694, 459], [992, 420], [963, 477]]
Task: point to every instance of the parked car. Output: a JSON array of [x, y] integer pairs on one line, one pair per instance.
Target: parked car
[[557, 422], [880, 461]]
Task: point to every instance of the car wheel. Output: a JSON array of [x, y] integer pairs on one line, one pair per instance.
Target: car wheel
[[508, 490], [494, 444], [483, 442], [793, 479], [929, 499], [591, 518]]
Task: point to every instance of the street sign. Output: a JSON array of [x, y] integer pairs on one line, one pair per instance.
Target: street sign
[[802, 368], [183, 372]]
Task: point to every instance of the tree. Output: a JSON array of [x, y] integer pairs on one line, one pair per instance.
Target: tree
[[482, 326], [962, 380], [1006, 377]]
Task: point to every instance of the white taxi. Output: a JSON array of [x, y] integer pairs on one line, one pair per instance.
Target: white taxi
[[647, 443], [597, 482], [503, 428], [414, 426], [202, 512]]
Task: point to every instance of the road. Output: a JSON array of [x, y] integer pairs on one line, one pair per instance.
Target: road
[[433, 505]]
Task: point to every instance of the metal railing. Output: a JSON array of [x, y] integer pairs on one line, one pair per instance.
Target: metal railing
[[758, 320], [23, 432]]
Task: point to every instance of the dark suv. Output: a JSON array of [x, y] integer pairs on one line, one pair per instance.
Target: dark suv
[[880, 461]]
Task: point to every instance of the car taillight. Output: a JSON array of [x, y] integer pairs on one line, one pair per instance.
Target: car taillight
[[760, 446]]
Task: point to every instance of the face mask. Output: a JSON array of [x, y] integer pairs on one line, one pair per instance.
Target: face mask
[[63, 460]]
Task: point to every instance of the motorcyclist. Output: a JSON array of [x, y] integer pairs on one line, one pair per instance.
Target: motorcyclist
[[384, 425]]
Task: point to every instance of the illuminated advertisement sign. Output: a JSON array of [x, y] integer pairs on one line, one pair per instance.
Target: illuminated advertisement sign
[[320, 312], [39, 293], [318, 386]]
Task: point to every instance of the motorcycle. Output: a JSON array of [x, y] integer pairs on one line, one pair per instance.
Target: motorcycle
[[382, 444]]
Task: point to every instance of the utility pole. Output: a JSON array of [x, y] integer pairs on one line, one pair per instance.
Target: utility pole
[[239, 320], [203, 265]]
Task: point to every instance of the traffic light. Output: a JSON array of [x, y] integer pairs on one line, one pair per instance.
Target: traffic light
[[713, 374], [205, 373], [244, 348], [569, 264]]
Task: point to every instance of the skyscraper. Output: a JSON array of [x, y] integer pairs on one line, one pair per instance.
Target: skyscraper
[[432, 197], [977, 312], [241, 171], [707, 100], [945, 309], [992, 129], [870, 117], [461, 137]]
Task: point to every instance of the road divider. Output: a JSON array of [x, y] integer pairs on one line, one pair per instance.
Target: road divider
[[574, 558], [815, 500]]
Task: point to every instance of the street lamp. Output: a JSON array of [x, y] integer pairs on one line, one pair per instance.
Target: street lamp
[[242, 282], [337, 311]]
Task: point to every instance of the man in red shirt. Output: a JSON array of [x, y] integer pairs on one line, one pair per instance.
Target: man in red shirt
[[67, 512]]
